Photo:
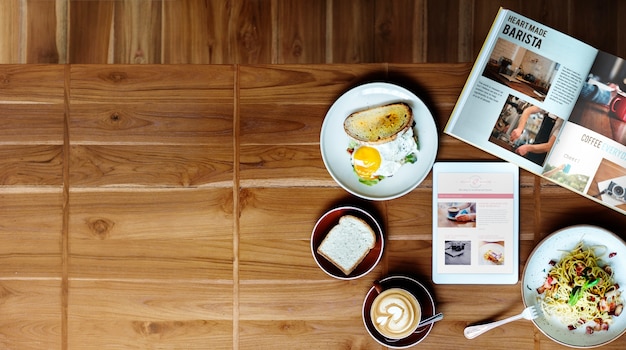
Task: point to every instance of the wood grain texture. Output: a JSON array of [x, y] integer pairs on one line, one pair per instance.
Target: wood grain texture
[[30, 314], [251, 34], [301, 31], [11, 40], [41, 35], [190, 34], [90, 27], [137, 32], [351, 28], [145, 314], [171, 206], [45, 85], [280, 31]]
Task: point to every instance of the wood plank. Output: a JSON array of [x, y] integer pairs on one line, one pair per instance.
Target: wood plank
[[11, 44], [180, 234], [297, 301], [352, 28], [554, 14], [151, 165], [303, 315], [196, 31], [41, 32], [145, 84], [278, 31], [90, 25], [260, 209], [280, 166], [31, 124], [30, 314], [296, 335], [621, 36], [250, 32], [137, 28], [466, 32], [31, 165], [393, 34], [280, 84], [301, 31], [270, 123], [152, 123], [485, 12], [584, 20], [30, 234], [45, 84], [437, 88], [410, 217], [443, 35], [142, 314], [191, 106], [573, 209]]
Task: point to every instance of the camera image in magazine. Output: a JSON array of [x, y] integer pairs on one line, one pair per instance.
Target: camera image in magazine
[[609, 184], [601, 105], [520, 69], [526, 130]]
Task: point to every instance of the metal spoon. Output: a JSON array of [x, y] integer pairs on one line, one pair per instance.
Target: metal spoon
[[432, 319], [420, 326]]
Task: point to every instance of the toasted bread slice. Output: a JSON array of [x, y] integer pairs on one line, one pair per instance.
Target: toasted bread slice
[[347, 243], [379, 124]]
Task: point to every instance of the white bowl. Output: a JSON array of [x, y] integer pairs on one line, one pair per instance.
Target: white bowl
[[334, 141], [552, 248]]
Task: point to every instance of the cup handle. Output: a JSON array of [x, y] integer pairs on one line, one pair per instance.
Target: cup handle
[[614, 103], [378, 287]]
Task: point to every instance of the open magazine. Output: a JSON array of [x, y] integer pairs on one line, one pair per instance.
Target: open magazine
[[550, 104]]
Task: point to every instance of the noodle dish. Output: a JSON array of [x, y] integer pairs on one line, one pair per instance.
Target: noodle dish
[[576, 277]]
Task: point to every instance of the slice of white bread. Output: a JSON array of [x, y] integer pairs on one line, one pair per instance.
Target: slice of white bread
[[347, 243], [379, 124]]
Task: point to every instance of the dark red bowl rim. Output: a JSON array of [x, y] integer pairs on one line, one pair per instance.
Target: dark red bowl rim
[[329, 220]]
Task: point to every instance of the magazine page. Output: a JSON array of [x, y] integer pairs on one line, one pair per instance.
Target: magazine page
[[590, 154], [523, 86]]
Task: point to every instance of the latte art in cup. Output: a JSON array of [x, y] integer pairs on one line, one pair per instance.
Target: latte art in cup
[[395, 313]]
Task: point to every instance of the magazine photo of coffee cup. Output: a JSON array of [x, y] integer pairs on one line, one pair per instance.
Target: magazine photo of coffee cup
[[457, 214], [618, 106]]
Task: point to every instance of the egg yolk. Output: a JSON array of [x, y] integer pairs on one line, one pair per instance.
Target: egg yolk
[[366, 161]]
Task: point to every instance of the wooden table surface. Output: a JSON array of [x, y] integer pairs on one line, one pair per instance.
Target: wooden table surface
[[171, 207]]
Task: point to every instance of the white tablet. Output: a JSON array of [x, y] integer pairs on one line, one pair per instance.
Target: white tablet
[[475, 223]]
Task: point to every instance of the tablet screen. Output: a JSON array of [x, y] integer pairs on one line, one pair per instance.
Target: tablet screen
[[475, 223]]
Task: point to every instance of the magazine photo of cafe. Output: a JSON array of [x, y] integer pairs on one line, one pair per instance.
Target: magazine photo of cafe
[[525, 129], [521, 69]]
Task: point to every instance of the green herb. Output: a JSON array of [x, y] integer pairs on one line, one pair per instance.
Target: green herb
[[370, 182], [577, 291], [411, 158]]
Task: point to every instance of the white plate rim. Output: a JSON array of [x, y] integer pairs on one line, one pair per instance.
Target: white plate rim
[[334, 140], [536, 269]]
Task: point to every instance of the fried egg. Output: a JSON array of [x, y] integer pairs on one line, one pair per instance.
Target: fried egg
[[373, 162]]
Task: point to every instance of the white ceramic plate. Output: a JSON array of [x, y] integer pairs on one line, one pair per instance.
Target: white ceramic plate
[[536, 270], [334, 141]]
